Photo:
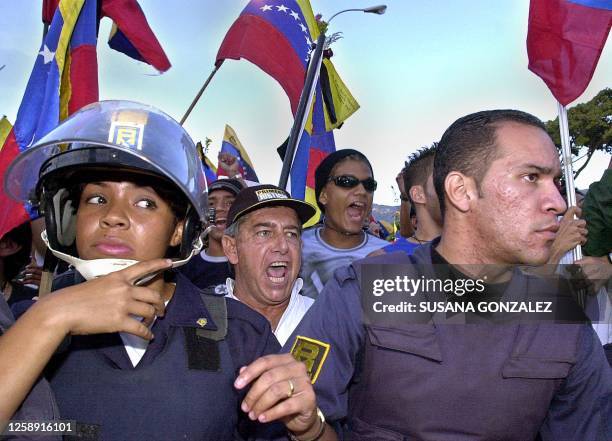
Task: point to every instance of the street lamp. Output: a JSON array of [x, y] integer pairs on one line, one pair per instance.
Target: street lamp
[[307, 93], [380, 10]]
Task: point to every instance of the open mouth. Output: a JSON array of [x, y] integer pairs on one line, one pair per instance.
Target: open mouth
[[277, 272], [356, 210]]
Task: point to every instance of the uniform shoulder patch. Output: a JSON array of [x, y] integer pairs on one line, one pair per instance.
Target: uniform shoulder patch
[[312, 353]]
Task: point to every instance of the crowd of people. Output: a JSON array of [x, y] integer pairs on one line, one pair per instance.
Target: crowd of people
[[195, 312]]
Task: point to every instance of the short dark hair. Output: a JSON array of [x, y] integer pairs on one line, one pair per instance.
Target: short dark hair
[[469, 145], [418, 167]]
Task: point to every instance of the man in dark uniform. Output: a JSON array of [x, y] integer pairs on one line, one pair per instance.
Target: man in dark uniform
[[495, 173]]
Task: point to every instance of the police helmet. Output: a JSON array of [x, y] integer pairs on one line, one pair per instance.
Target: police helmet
[[103, 137]]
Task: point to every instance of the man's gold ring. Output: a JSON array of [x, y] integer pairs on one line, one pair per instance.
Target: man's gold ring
[[291, 389]]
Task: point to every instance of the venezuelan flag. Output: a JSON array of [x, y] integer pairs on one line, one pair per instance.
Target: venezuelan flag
[[315, 144], [63, 80], [232, 145], [5, 129], [130, 32], [132, 35], [278, 36], [210, 171]]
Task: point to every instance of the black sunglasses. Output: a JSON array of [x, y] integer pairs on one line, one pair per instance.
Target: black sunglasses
[[348, 181]]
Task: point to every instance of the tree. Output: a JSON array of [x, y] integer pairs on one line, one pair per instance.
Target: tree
[[590, 128]]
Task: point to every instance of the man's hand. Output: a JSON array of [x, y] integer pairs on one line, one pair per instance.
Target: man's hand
[[572, 232], [112, 303], [597, 270], [280, 390]]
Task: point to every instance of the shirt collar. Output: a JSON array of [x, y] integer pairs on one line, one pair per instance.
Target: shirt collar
[[297, 286]]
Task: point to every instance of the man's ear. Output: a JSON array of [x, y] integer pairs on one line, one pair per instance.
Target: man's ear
[[417, 194], [177, 235], [8, 247], [461, 191], [230, 249]]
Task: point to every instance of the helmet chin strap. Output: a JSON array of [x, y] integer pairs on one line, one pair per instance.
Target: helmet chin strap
[[94, 268]]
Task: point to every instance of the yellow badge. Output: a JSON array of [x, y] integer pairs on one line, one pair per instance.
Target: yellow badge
[[202, 322], [127, 129], [312, 352]]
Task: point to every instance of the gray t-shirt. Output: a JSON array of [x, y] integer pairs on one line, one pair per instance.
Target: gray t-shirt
[[320, 260]]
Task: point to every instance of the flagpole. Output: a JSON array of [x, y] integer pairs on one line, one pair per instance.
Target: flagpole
[[568, 171], [301, 115], [202, 89]]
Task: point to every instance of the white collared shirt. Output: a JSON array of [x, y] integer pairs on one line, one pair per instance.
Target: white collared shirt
[[136, 346], [296, 308]]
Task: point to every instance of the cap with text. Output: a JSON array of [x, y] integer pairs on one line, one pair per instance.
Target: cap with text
[[262, 196]]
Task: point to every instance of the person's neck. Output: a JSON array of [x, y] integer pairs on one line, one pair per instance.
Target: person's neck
[[339, 239], [215, 248], [166, 289], [428, 229], [272, 313], [459, 247]]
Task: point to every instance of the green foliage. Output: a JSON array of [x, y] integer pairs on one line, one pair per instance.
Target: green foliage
[[590, 127]]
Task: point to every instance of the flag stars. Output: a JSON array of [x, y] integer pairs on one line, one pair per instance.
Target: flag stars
[[265, 8], [295, 15], [47, 54], [282, 8], [304, 28], [308, 41], [308, 55]]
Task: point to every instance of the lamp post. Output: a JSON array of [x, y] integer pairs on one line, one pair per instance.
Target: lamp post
[[312, 76]]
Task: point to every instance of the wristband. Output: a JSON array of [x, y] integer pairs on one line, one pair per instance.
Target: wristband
[[404, 198]]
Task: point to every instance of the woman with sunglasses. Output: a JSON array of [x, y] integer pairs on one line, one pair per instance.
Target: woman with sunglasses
[[344, 188]]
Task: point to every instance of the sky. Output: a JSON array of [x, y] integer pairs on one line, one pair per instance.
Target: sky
[[414, 70]]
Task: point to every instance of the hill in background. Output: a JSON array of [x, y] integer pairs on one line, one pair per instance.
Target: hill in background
[[384, 212]]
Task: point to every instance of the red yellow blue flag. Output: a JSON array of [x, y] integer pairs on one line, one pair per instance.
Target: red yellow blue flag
[[130, 32], [278, 36], [132, 35], [64, 79], [210, 171]]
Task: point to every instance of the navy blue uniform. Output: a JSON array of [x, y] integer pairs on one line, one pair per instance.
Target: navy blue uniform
[[451, 382], [183, 386]]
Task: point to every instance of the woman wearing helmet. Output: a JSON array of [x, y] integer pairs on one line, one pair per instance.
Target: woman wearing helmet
[[124, 195]]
